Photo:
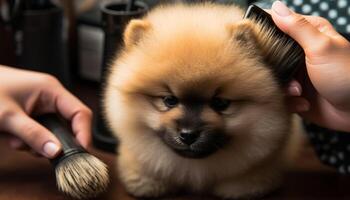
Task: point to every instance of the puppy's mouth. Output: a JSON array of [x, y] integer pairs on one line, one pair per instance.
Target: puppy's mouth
[[205, 144]]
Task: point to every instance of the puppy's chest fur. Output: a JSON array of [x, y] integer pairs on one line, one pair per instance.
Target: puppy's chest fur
[[208, 51]]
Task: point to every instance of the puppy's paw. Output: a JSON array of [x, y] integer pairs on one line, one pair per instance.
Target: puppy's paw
[[146, 187]]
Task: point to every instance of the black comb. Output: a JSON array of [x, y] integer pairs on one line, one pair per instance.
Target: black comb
[[284, 54]]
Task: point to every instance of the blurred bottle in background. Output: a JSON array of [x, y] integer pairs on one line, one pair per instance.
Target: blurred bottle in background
[[40, 41], [37, 34]]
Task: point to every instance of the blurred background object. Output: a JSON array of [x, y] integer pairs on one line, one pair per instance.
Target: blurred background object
[[115, 15], [7, 46], [336, 11], [39, 35], [33, 37]]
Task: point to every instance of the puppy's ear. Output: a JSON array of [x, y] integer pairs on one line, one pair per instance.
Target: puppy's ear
[[135, 31], [245, 34]]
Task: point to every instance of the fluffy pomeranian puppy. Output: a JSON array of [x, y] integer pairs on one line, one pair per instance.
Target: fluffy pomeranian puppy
[[195, 106]]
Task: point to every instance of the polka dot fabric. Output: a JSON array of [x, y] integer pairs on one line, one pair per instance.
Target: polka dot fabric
[[332, 147], [336, 11]]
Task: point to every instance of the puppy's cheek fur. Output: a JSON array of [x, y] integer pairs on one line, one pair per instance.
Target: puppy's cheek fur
[[152, 118], [122, 111], [212, 119], [167, 118], [240, 123], [254, 129]]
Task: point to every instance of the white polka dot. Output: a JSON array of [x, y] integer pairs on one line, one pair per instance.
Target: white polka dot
[[298, 2], [315, 1], [306, 8], [342, 169], [292, 8], [332, 160], [315, 13], [341, 155], [341, 21], [342, 3], [324, 6], [348, 28], [333, 13]]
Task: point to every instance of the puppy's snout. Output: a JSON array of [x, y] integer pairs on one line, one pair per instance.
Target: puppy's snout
[[189, 136]]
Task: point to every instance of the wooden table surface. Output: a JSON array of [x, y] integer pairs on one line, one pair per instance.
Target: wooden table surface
[[26, 177]]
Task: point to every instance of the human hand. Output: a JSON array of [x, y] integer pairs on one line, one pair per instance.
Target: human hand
[[24, 94], [322, 93]]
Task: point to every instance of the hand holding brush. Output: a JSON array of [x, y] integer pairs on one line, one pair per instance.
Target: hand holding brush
[[24, 94], [78, 173], [321, 94]]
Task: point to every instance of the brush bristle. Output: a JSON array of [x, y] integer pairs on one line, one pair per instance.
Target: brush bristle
[[280, 51], [82, 176]]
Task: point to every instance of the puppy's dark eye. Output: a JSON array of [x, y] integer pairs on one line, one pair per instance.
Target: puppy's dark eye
[[170, 101], [219, 104]]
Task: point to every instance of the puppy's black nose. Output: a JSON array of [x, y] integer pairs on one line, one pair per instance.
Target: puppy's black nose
[[188, 136]]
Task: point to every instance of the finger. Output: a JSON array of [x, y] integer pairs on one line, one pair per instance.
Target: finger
[[34, 153], [298, 105], [323, 25], [325, 114], [80, 116], [267, 10], [72, 109], [33, 134], [293, 88], [298, 27]]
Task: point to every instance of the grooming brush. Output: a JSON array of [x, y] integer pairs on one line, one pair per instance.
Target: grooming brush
[[281, 52], [78, 173]]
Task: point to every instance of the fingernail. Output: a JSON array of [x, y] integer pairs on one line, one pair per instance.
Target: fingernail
[[294, 91], [51, 149], [280, 9]]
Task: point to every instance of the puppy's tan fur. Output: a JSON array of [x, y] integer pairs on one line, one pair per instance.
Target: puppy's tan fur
[[207, 50]]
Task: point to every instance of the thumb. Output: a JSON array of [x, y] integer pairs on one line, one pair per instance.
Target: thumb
[[33, 134], [298, 27]]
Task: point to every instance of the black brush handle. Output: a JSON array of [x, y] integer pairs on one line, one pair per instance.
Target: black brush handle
[[64, 134]]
